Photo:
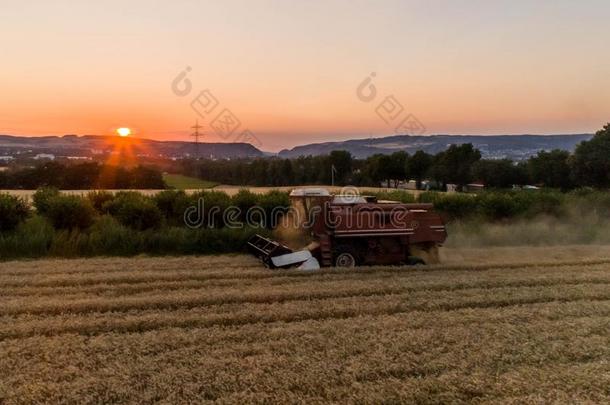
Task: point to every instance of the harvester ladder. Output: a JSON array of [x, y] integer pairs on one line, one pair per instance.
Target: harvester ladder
[[326, 250]]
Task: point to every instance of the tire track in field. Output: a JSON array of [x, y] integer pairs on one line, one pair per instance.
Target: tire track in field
[[204, 297], [165, 341], [305, 311], [15, 296], [459, 280], [146, 277], [80, 266], [492, 387], [42, 323], [220, 355]]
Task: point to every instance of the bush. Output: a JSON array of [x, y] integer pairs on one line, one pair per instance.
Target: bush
[[274, 203], [31, 238], [13, 211], [69, 212], [134, 210], [99, 198], [42, 198], [244, 200], [395, 195], [548, 202], [496, 206], [69, 243], [213, 204], [452, 206], [588, 199], [226, 240], [108, 237], [172, 205]]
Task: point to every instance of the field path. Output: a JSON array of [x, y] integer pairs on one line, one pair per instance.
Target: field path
[[497, 325]]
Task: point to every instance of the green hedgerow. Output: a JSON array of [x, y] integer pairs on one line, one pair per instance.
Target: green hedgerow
[[134, 210], [31, 238], [210, 206], [172, 204], [244, 200], [70, 212], [274, 203], [99, 198], [13, 211], [42, 198]]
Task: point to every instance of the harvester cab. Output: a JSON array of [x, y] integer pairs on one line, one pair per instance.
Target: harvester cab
[[352, 230]]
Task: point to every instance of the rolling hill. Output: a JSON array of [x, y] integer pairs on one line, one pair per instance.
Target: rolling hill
[[89, 145], [516, 147]]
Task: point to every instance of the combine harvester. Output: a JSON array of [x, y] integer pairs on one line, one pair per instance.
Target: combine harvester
[[353, 230]]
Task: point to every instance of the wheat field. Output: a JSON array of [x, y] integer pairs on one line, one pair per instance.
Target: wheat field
[[489, 326], [228, 189]]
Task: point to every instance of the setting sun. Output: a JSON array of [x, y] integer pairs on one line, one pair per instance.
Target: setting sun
[[123, 132]]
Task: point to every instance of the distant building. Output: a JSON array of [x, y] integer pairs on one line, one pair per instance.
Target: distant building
[[44, 156], [411, 185], [6, 159], [474, 187], [452, 188]]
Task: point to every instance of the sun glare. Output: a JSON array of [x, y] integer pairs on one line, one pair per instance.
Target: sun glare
[[123, 131]]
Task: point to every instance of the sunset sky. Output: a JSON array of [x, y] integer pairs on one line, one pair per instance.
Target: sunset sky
[[289, 70]]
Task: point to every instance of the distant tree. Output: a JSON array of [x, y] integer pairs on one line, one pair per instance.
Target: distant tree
[[5, 180], [551, 169], [259, 173], [50, 174], [147, 177], [591, 161], [372, 169], [418, 166], [455, 164], [392, 168], [287, 171], [80, 176], [341, 164], [499, 173]]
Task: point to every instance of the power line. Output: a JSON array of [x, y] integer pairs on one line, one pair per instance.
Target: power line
[[197, 134]]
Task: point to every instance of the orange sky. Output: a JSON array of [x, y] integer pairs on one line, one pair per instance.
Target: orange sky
[[289, 70]]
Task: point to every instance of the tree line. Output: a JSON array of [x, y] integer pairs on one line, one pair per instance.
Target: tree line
[[81, 176], [589, 165], [462, 164]]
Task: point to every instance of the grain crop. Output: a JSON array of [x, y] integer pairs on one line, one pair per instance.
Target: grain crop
[[487, 325]]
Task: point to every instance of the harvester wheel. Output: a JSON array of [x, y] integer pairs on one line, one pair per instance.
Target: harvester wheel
[[429, 253], [345, 256], [414, 261]]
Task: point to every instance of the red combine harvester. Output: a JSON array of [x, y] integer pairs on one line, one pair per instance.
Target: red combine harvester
[[352, 230]]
